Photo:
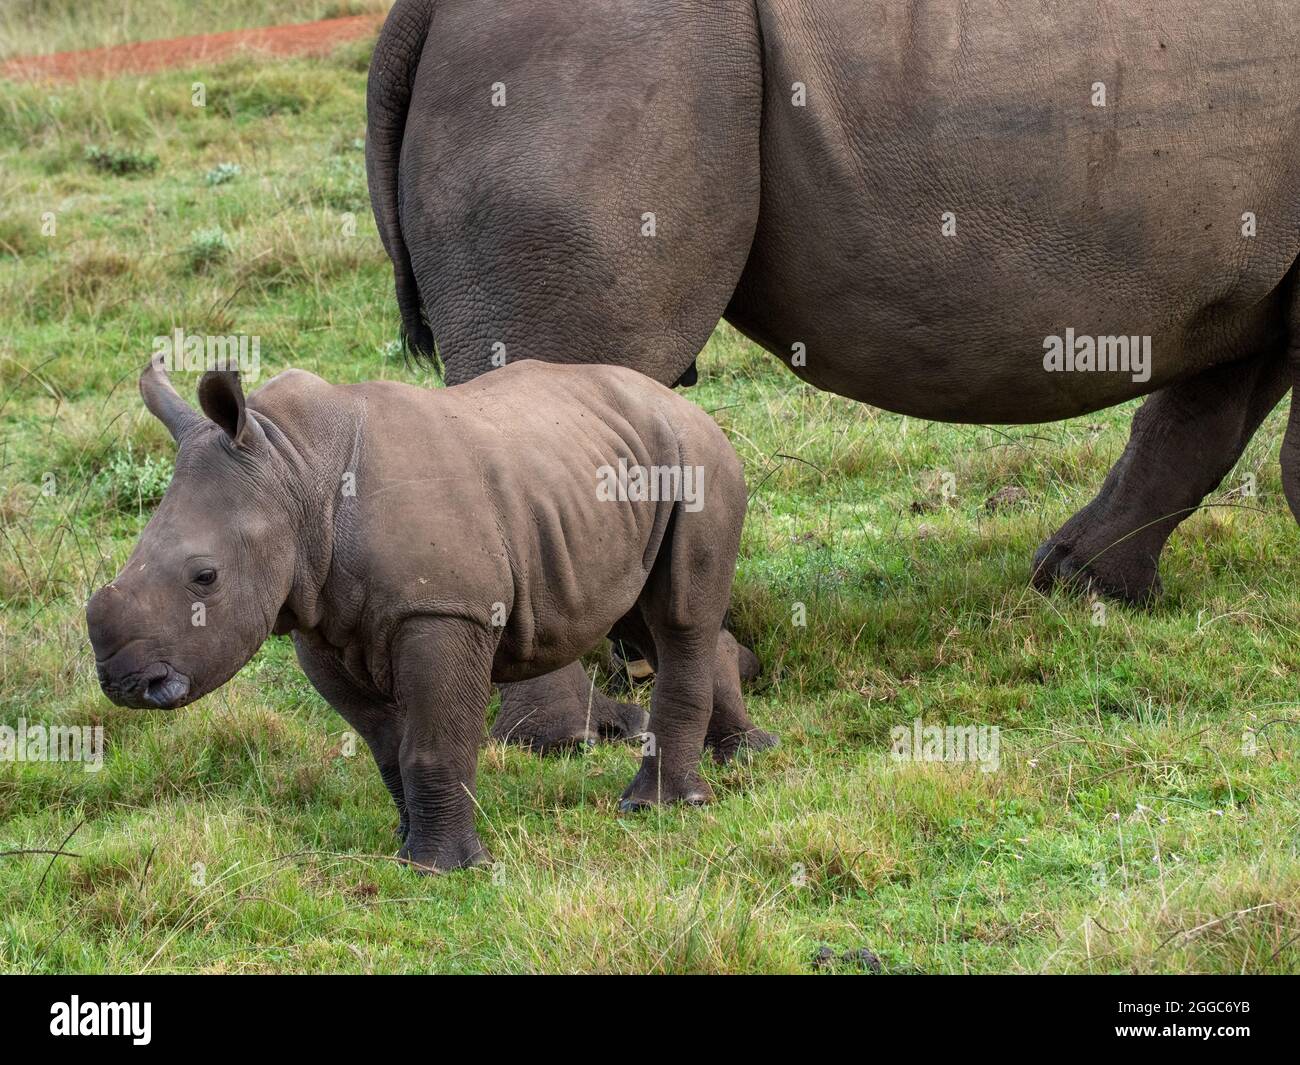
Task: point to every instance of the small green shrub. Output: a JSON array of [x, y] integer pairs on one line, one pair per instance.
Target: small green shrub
[[120, 161], [206, 248], [222, 173], [132, 482]]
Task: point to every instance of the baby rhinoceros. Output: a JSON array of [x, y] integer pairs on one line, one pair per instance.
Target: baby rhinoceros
[[421, 544]]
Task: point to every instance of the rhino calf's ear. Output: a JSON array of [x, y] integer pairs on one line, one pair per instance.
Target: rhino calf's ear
[[222, 398], [165, 403]]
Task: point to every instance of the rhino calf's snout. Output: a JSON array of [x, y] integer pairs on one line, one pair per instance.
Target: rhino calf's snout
[[124, 669], [158, 685]]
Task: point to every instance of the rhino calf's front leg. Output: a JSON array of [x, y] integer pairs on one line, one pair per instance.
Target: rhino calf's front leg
[[375, 719], [442, 672]]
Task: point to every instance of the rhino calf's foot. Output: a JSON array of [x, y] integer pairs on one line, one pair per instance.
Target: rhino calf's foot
[[650, 788], [427, 860], [726, 746], [731, 731]]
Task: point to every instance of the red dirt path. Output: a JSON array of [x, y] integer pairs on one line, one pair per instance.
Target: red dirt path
[[306, 38]]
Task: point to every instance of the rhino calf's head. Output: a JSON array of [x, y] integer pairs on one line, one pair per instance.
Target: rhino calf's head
[[215, 564]]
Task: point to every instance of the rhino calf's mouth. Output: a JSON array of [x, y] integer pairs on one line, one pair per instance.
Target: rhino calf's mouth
[[157, 686]]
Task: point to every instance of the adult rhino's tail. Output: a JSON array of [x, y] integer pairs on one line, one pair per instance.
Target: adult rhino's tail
[[388, 98]]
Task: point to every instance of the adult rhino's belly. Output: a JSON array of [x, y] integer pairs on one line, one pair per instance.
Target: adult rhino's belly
[[951, 207], [1022, 356]]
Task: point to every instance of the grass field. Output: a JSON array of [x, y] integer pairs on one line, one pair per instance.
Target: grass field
[[37, 27], [1143, 817]]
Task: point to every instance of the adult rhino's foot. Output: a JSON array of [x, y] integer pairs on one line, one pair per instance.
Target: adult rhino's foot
[[1102, 564], [441, 856], [730, 729], [1185, 439], [653, 787], [561, 711]]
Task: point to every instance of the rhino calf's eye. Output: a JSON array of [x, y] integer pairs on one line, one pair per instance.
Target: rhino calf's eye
[[205, 576]]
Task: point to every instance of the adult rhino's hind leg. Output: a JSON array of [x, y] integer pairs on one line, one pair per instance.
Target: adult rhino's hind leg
[[1184, 441], [561, 711]]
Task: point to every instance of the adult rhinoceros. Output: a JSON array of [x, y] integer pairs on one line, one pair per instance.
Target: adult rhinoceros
[[952, 209]]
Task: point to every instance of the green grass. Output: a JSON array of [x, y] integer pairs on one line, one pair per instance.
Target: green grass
[[1128, 828], [37, 27]]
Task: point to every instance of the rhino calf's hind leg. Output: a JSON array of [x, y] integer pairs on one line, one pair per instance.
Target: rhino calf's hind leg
[[677, 622], [1184, 441], [679, 721], [731, 730]]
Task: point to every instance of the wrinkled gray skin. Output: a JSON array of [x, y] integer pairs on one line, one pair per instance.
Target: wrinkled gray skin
[[421, 544], [821, 225]]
